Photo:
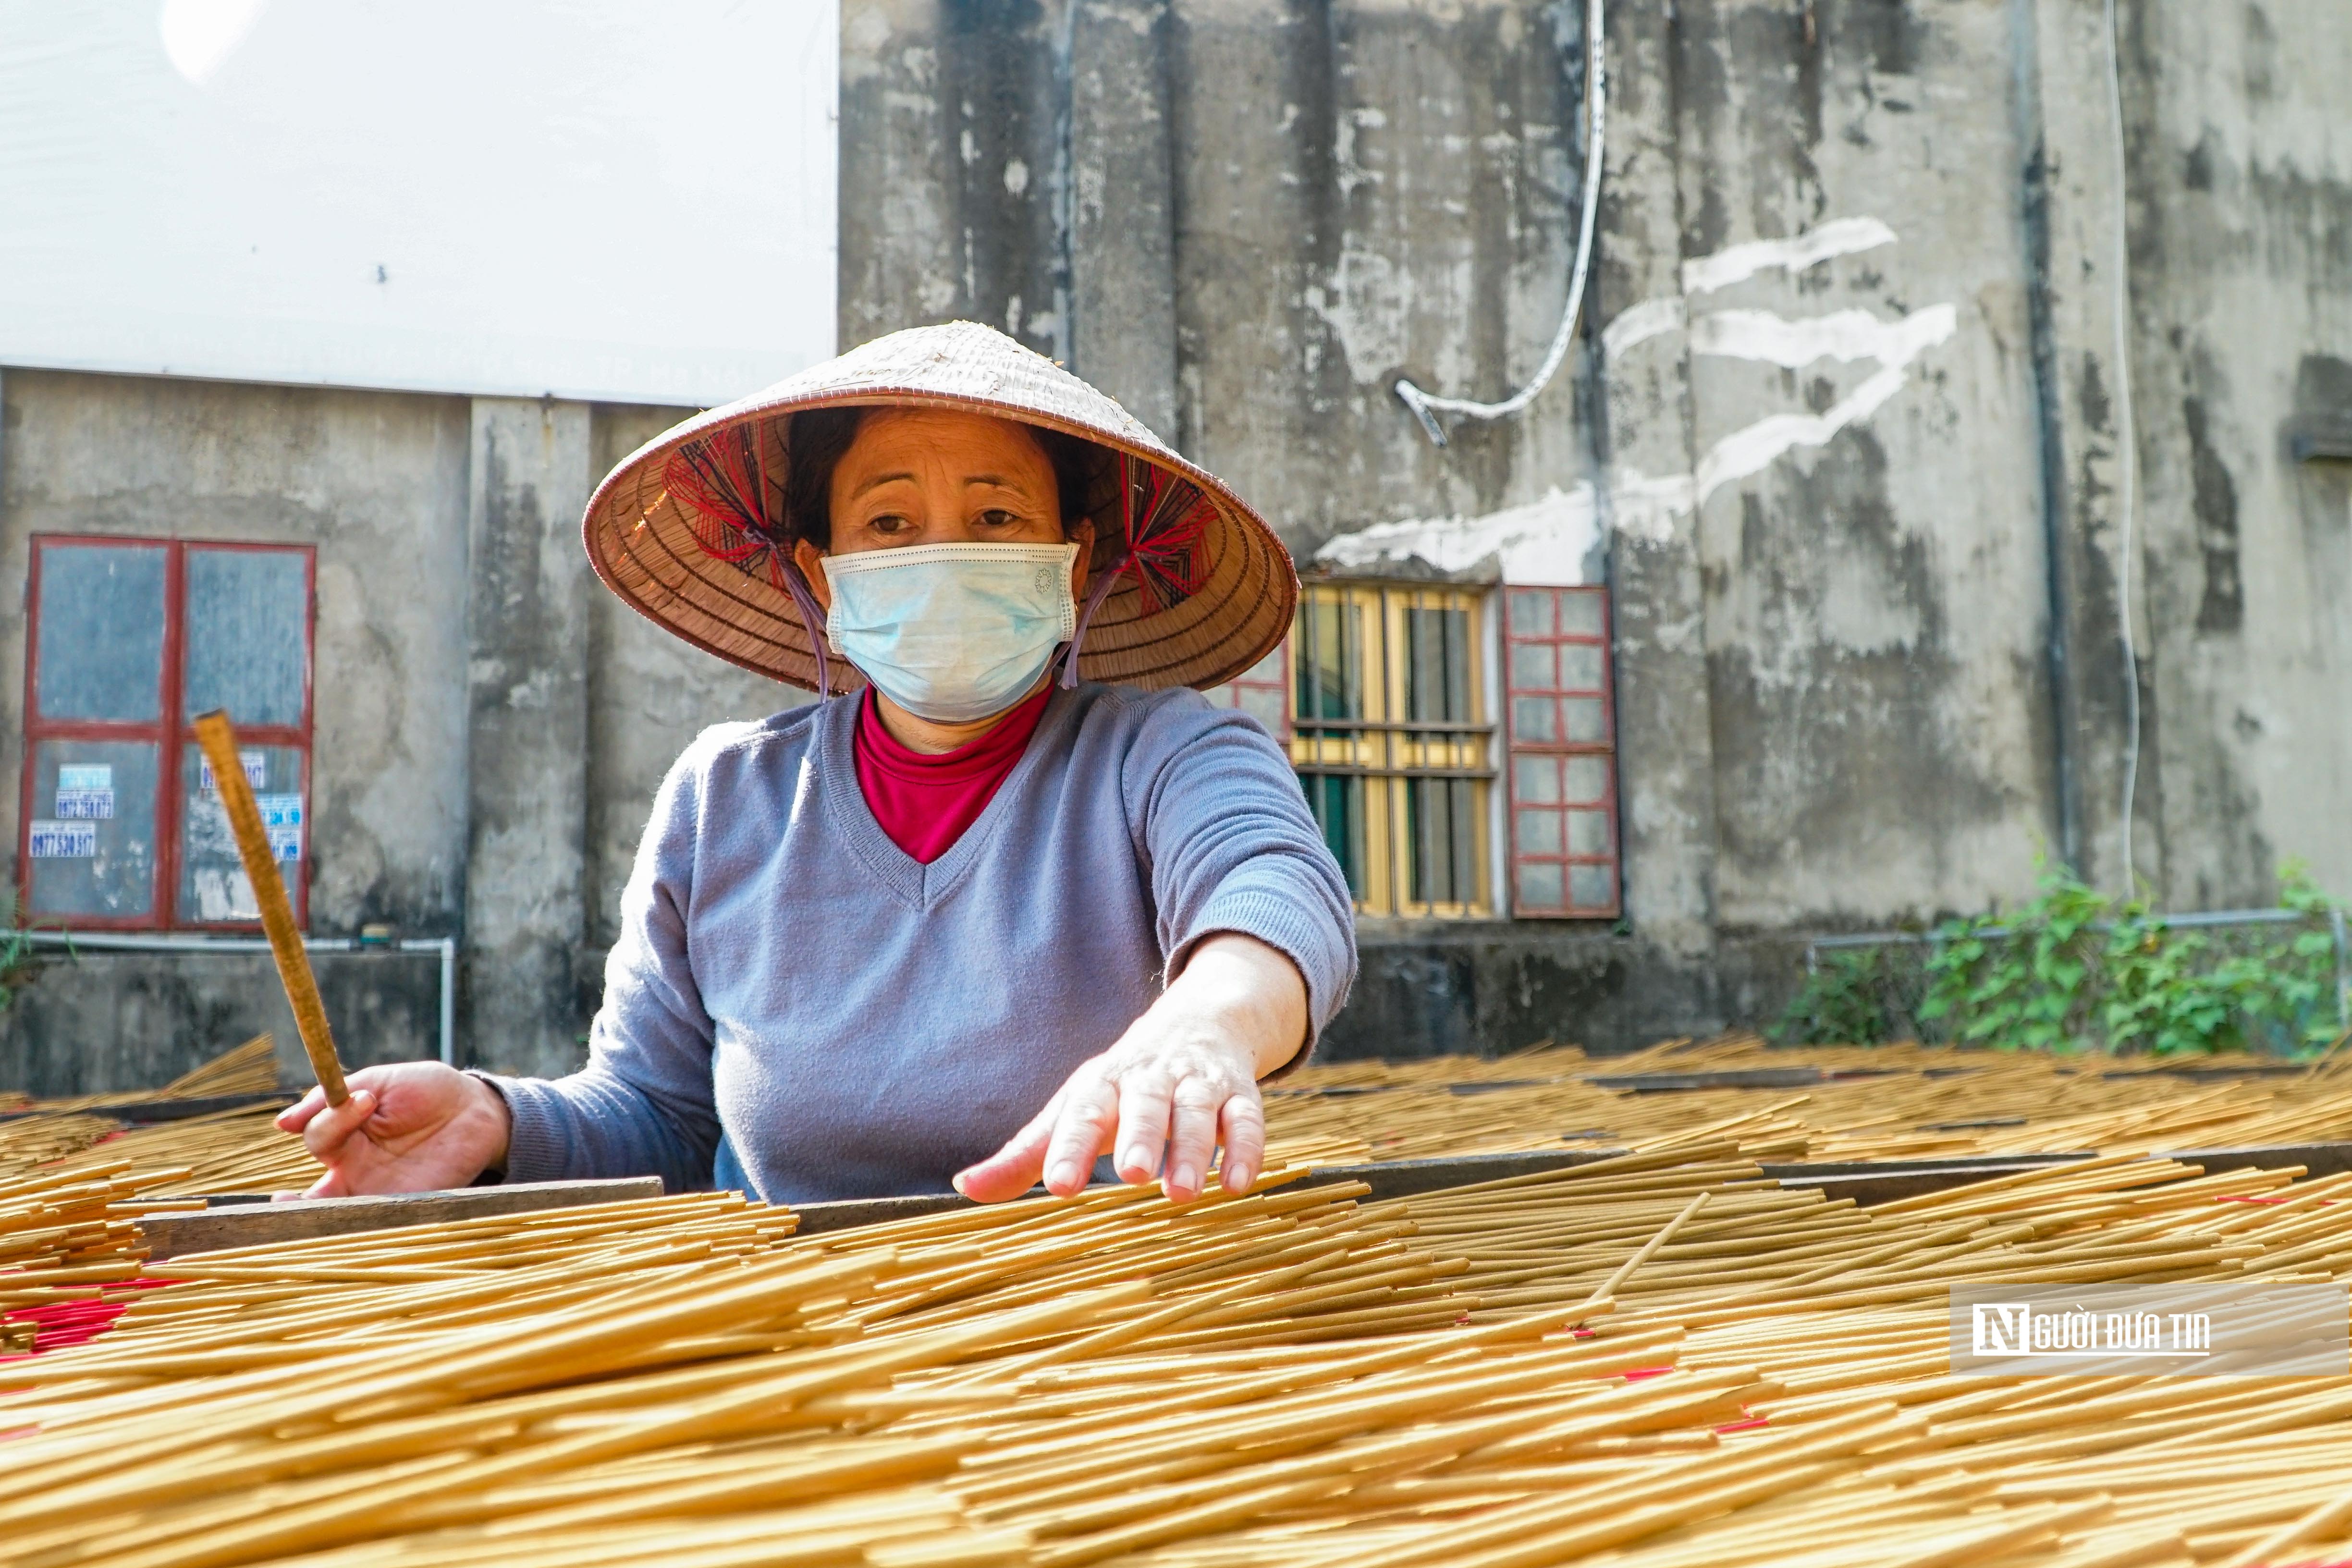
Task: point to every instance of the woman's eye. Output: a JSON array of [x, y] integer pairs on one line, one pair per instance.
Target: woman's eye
[[997, 517], [889, 522]]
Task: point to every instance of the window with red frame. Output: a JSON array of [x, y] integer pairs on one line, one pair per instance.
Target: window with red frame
[[1563, 750], [129, 639], [1261, 691]]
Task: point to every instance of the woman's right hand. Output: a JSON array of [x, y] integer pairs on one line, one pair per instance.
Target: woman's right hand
[[410, 1128]]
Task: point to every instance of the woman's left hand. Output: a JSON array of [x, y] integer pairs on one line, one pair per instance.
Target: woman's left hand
[[1183, 1079]]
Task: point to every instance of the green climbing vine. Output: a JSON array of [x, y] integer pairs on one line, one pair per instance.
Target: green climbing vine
[[20, 962], [2074, 969]]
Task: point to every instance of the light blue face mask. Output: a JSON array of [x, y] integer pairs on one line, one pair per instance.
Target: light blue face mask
[[952, 632]]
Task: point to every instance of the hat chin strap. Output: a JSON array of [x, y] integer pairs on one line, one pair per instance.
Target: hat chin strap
[[813, 623], [1094, 597]]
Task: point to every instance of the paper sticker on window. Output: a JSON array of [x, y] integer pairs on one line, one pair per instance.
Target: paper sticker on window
[[86, 791], [90, 804], [279, 811], [256, 766], [64, 840], [286, 842], [225, 895]]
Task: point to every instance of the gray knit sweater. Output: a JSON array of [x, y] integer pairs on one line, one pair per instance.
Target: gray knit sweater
[[859, 1025]]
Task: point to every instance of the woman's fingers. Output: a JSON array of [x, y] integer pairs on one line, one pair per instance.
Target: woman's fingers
[[297, 1116], [1144, 1098], [1243, 1118], [326, 1131], [1159, 1112], [1013, 1169], [1197, 1101], [1089, 1117]]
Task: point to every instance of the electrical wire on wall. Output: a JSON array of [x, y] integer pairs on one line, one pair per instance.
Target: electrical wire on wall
[[2128, 441], [1426, 406]]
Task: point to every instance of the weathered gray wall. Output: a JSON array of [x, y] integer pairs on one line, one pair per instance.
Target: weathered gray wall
[[377, 481], [490, 729], [527, 626], [1866, 678], [1370, 191], [1881, 588], [2241, 286], [103, 1022]]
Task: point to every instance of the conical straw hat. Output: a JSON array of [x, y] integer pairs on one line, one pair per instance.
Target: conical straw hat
[[1191, 587]]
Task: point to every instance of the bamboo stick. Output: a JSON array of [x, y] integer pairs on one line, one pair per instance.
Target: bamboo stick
[[218, 740]]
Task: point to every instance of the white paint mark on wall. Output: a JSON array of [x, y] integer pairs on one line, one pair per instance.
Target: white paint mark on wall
[[1548, 542], [1551, 541], [1368, 309], [1640, 323], [1843, 335], [1646, 508], [1841, 236], [1756, 446], [1545, 541]]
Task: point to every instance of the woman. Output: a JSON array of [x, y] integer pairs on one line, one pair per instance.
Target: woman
[[973, 924]]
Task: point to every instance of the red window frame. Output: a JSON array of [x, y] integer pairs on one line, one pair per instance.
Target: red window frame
[[1556, 753], [169, 732], [1228, 694]]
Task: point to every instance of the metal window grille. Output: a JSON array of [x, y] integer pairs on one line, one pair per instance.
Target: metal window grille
[[118, 826], [1561, 712], [1392, 743]]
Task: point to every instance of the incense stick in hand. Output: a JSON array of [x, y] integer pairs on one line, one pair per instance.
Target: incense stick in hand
[[219, 741]]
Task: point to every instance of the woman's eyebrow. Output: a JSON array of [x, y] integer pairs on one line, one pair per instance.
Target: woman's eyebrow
[[877, 481]]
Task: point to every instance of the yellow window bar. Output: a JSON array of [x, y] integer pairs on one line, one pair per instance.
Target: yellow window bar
[[1393, 742]]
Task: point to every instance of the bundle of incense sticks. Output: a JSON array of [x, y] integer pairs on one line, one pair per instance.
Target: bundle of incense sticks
[[66, 1240], [1715, 1372], [248, 1068], [225, 1151], [38, 1138], [1901, 1103]]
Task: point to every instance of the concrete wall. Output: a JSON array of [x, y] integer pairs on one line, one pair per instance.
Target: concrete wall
[[101, 1022], [377, 480], [490, 726], [1858, 504], [2241, 338]]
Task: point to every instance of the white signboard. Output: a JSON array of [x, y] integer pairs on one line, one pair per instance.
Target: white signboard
[[602, 199], [54, 840], [86, 790], [281, 817]]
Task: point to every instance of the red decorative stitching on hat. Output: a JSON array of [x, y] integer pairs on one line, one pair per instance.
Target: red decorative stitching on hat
[[1168, 520], [723, 484]]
